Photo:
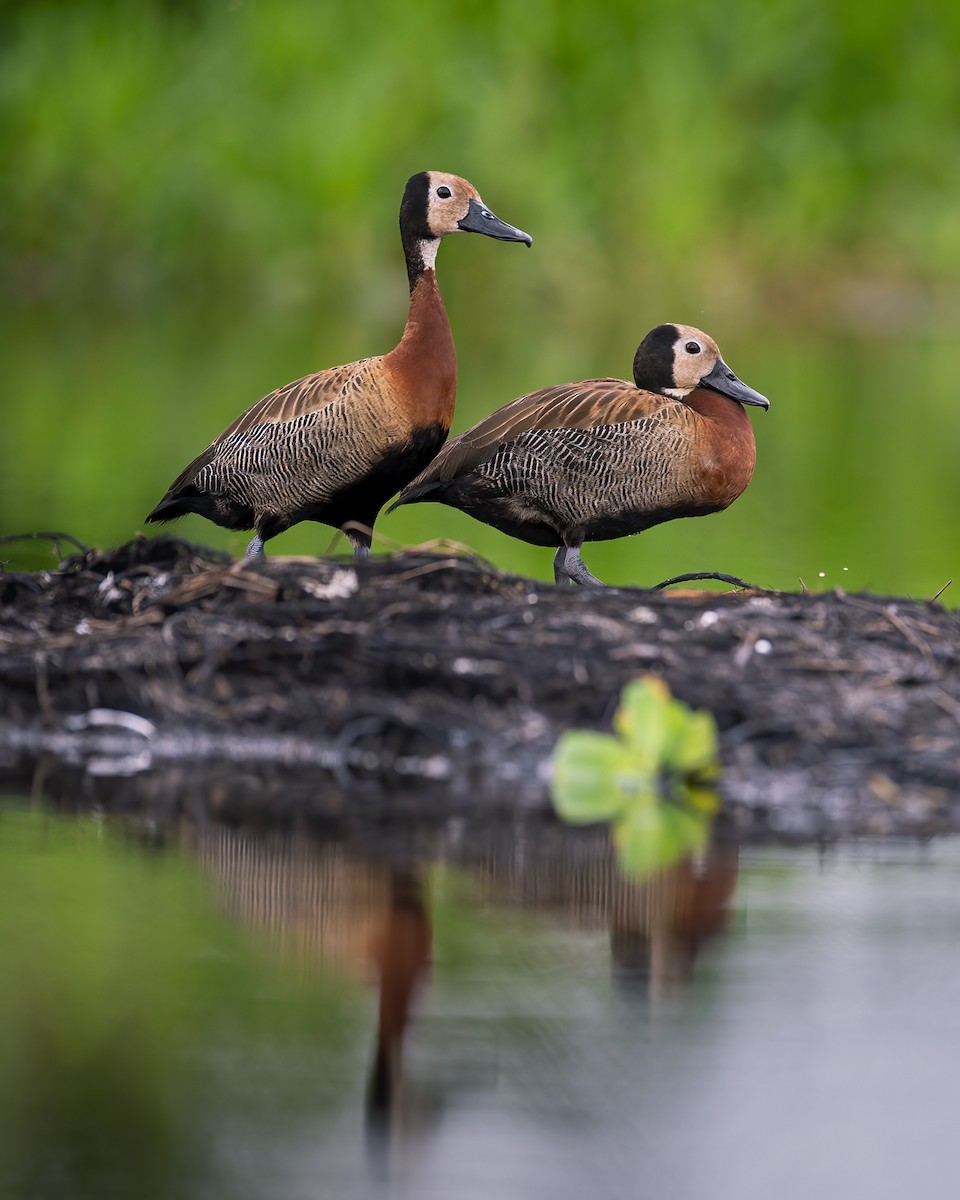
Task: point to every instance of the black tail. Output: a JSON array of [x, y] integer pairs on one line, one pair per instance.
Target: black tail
[[412, 495], [169, 509], [219, 509]]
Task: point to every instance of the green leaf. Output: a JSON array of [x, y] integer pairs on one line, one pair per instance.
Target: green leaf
[[592, 773], [642, 721], [651, 837], [693, 747], [642, 841], [661, 747]]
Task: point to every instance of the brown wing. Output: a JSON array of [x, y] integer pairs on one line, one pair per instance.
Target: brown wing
[[590, 404], [303, 396], [311, 418]]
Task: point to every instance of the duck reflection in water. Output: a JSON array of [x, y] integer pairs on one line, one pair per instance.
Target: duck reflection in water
[[372, 920], [364, 919], [657, 924]]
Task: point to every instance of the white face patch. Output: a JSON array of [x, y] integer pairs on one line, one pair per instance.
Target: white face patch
[[428, 252], [690, 366], [445, 212]]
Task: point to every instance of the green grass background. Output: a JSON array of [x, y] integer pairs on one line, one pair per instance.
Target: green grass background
[[199, 203]]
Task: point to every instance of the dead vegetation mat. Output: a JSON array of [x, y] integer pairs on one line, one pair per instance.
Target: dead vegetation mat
[[436, 676]]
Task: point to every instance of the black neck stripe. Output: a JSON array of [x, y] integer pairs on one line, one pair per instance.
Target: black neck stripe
[[413, 223]]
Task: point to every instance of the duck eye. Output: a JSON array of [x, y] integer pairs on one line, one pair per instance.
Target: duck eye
[[444, 192], [693, 347]]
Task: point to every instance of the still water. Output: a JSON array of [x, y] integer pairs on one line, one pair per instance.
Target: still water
[[193, 1010]]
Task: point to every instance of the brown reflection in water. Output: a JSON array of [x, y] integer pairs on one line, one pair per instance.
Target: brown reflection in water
[[320, 906], [371, 920], [657, 925], [659, 942], [400, 949]]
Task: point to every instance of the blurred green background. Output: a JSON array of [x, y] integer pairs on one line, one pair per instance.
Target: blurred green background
[[199, 203]]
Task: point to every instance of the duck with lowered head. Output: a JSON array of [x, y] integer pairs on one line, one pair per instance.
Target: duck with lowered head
[[605, 458]]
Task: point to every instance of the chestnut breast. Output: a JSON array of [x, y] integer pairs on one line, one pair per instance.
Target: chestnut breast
[[726, 448]]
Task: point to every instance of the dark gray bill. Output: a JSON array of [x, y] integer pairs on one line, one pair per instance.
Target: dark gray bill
[[722, 379], [482, 220]]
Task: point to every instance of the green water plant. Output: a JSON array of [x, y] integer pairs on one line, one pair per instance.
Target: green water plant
[[650, 779]]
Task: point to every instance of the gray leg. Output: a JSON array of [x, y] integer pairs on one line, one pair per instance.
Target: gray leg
[[255, 549], [569, 565], [560, 576], [360, 543], [359, 536]]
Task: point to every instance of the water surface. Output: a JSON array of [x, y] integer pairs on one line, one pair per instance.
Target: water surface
[[194, 1010]]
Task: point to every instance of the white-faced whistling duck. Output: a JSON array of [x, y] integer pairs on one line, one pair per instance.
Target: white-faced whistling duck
[[605, 458], [335, 446]]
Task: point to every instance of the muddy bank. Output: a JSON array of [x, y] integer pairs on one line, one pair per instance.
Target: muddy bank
[[441, 682]]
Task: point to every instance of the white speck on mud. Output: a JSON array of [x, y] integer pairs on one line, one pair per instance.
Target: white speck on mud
[[340, 585]]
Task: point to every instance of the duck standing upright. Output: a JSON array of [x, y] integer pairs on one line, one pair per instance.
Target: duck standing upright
[[605, 458], [335, 446]]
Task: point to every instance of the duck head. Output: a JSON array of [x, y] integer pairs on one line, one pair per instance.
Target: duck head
[[436, 204], [674, 359]]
